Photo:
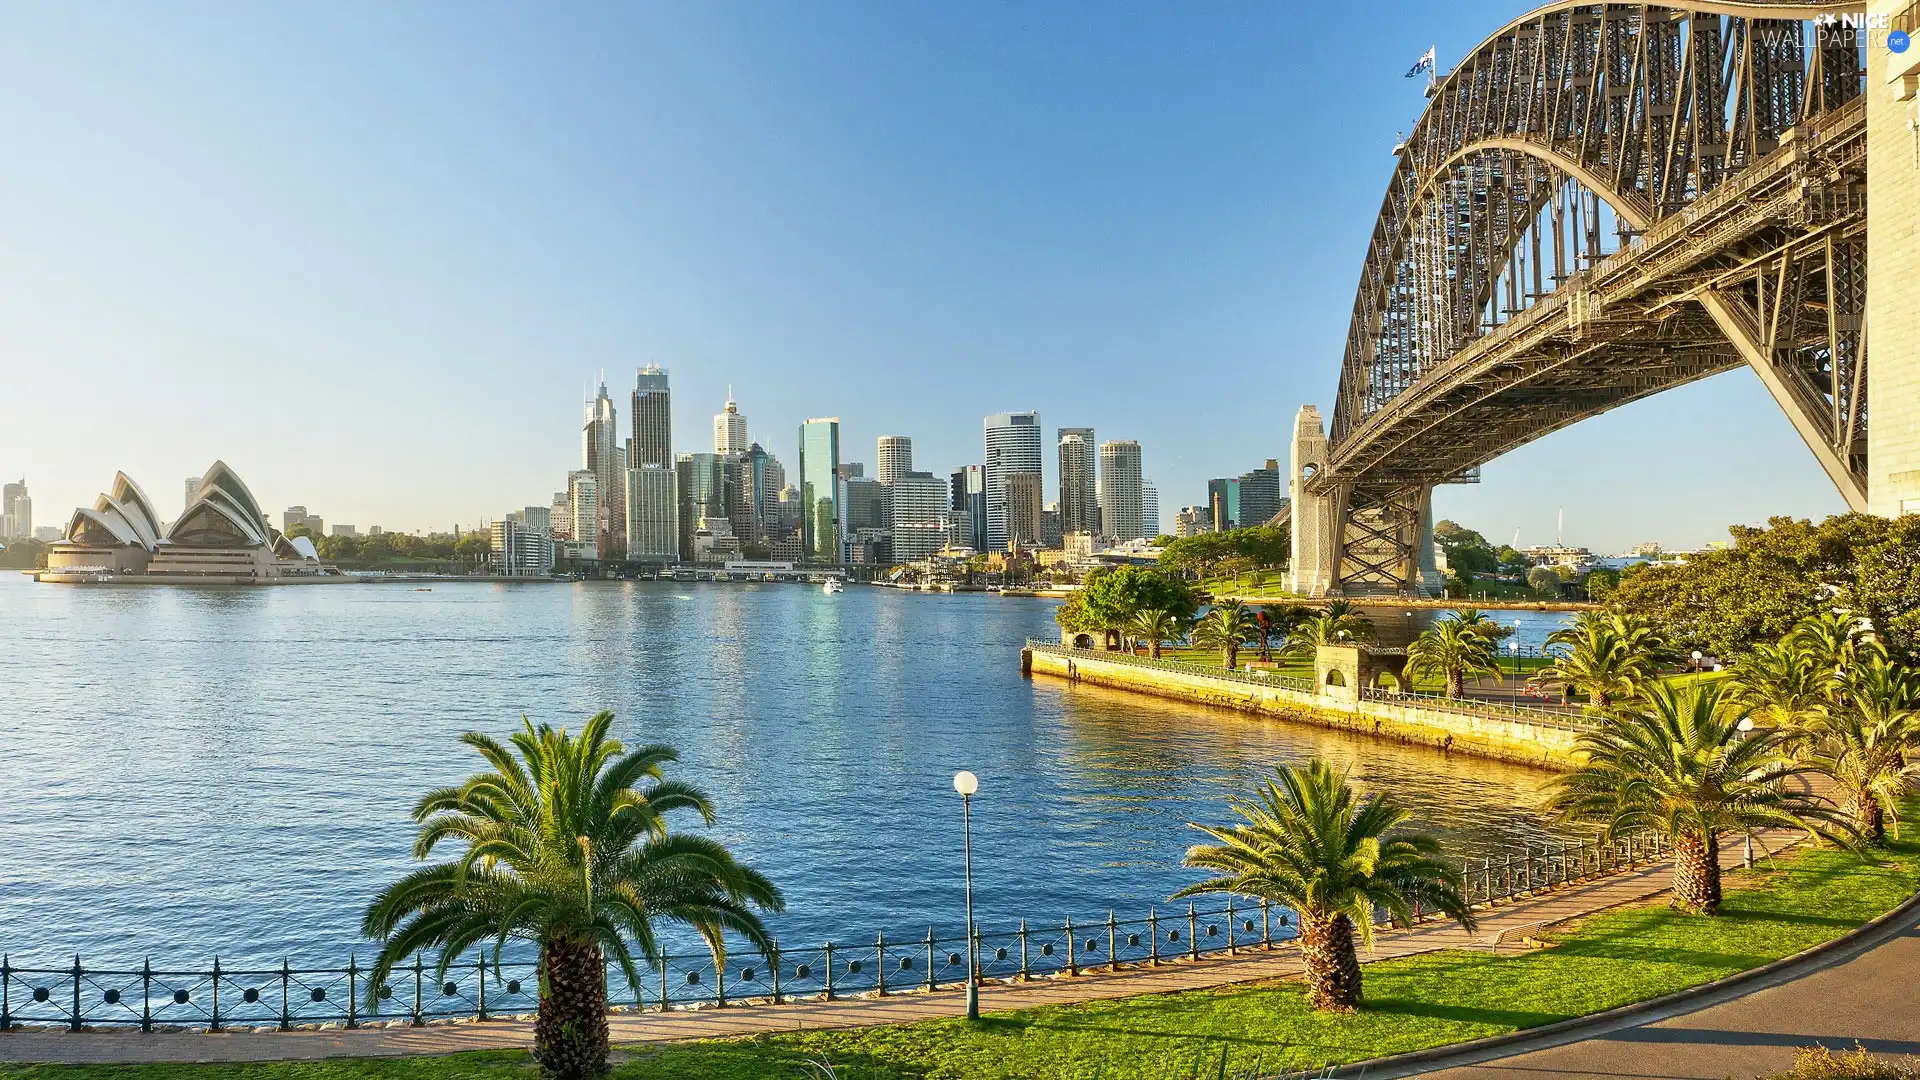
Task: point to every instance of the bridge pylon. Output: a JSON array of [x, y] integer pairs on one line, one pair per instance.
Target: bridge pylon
[[1356, 540]]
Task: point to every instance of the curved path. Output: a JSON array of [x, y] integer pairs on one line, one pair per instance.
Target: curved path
[[1865, 992]]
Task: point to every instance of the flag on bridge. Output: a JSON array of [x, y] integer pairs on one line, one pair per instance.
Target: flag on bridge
[[1424, 64]]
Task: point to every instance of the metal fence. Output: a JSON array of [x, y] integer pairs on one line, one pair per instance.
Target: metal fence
[[217, 998], [1539, 716], [1252, 678]]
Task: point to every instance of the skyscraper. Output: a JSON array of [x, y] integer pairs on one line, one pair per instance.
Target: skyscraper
[[1149, 510], [916, 510], [653, 515], [895, 455], [1223, 500], [652, 441], [583, 510], [820, 489], [1122, 502], [16, 511], [1260, 494], [765, 477], [1013, 449], [1079, 505], [968, 486], [730, 428], [603, 456], [1023, 510]]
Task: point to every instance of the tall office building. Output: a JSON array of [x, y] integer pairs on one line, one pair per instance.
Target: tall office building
[[16, 512], [917, 513], [1023, 510], [863, 520], [522, 547], [765, 477], [653, 515], [1079, 499], [730, 428], [602, 455], [562, 507], [1260, 496], [968, 487], [652, 441], [820, 489], [583, 510], [1013, 449], [1122, 501], [895, 455], [1223, 501], [1149, 510]]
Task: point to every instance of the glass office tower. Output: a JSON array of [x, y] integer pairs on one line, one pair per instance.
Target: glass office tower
[[819, 489]]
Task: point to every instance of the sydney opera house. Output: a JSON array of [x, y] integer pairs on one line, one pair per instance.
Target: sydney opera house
[[220, 538]]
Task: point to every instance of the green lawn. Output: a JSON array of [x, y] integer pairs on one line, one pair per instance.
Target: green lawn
[[1412, 1003]]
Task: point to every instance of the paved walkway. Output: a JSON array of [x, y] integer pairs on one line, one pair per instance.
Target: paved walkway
[[1500, 928], [1863, 992]]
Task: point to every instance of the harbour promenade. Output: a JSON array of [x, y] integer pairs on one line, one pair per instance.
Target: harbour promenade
[[1502, 926]]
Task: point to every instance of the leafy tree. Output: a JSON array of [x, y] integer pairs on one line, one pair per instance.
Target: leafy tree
[[1512, 560], [1207, 554], [1869, 742], [1468, 553], [1310, 844], [1676, 763], [1277, 620], [1601, 582], [23, 555], [1545, 580], [1607, 656], [297, 529], [1111, 598], [473, 548], [1154, 626], [1479, 622], [1227, 627], [566, 846], [1452, 649], [1725, 602]]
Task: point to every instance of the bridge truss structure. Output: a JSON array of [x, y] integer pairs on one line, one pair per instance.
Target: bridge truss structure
[[1602, 202]]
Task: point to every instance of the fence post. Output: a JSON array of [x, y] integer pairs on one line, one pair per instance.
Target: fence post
[[719, 985], [215, 1025], [146, 994], [285, 977], [1113, 942], [665, 963], [880, 965], [1507, 887], [1486, 876], [1026, 973], [1193, 933], [1073, 949], [6, 992], [74, 1024], [418, 972], [480, 971], [353, 990], [829, 971], [1153, 932], [1266, 926], [930, 983]]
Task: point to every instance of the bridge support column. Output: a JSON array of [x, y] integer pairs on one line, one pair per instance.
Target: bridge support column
[[1383, 541], [1310, 570], [1893, 272]]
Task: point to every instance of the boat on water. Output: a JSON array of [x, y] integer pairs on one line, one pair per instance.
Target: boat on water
[[832, 586]]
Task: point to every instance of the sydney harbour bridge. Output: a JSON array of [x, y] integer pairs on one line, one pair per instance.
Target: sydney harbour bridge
[[1604, 201]]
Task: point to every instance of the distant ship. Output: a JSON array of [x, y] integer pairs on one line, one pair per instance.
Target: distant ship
[[832, 586]]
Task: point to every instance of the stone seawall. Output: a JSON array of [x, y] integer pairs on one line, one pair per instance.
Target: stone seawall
[[1544, 743]]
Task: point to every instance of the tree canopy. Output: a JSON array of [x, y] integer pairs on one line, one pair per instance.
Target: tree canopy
[[1209, 553], [1111, 598], [1757, 590]]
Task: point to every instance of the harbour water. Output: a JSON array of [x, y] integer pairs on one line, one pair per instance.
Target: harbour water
[[188, 772]]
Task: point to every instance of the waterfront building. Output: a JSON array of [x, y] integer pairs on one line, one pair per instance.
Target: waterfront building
[[765, 478], [1192, 521], [714, 542], [602, 455], [706, 495], [1023, 510], [519, 547], [1012, 449], [1223, 503], [344, 530], [968, 484], [730, 429], [1149, 510], [960, 533], [820, 489], [562, 512], [789, 512], [863, 519], [847, 470], [16, 511], [1260, 495], [682, 490], [653, 515], [583, 511], [894, 458], [291, 516], [1079, 483], [917, 515], [652, 440], [221, 536], [1121, 500], [1051, 532]]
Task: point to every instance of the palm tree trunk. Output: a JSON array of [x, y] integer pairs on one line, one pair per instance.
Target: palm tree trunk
[[1869, 817], [1456, 683], [1696, 874], [1156, 648], [1333, 968], [1233, 657], [570, 1036]]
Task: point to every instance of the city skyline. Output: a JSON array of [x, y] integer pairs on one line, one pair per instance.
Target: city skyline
[[549, 229]]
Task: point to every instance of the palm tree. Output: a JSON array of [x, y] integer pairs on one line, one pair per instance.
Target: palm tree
[[1154, 626], [1346, 617], [1608, 657], [1326, 628], [1831, 640], [1310, 844], [1452, 649], [1779, 685], [568, 847], [1868, 744], [1226, 627], [1676, 764], [1482, 624]]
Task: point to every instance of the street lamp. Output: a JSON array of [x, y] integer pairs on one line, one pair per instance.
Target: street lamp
[[1513, 650], [966, 784], [1696, 660]]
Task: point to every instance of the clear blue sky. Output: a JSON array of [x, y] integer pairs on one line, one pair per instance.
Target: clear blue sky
[[372, 254]]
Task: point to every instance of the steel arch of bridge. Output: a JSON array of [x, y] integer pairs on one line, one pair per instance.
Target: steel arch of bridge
[[1603, 201]]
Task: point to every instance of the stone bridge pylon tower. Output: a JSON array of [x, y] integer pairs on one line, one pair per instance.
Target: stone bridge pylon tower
[[1355, 540]]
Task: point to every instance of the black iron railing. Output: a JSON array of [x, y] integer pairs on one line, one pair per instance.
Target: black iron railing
[[220, 997]]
